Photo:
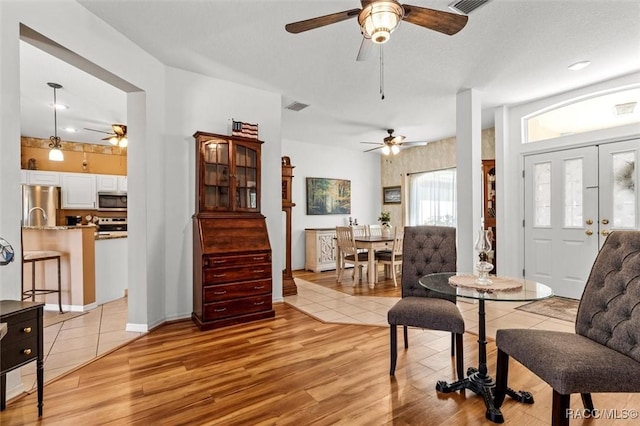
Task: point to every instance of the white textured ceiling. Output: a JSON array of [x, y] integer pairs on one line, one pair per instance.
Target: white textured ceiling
[[511, 51]]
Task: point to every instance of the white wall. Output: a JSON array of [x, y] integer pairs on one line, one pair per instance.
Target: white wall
[[510, 161], [199, 103], [362, 169]]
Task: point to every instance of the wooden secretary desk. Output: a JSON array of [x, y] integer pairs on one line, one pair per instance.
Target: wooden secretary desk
[[232, 281]]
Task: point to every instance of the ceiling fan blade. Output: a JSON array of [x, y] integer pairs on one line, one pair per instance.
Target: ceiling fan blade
[[414, 143], [437, 20], [365, 49], [373, 149], [372, 143], [320, 21], [109, 138], [99, 131], [398, 139]]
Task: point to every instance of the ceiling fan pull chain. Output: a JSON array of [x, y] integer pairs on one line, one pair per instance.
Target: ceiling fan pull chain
[[381, 72]]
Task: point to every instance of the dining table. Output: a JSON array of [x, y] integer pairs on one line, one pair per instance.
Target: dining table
[[371, 243], [502, 289]]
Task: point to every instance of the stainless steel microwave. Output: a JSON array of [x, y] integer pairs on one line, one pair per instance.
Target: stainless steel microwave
[[112, 201]]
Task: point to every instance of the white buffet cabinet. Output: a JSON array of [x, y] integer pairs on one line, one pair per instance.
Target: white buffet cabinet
[[111, 269], [320, 249]]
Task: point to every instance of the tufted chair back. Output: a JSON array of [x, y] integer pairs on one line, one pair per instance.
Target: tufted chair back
[[427, 250], [609, 311]]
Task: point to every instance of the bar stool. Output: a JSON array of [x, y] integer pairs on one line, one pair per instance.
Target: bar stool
[[33, 256]]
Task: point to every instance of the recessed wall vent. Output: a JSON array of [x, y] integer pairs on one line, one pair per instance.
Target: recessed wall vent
[[296, 106], [465, 7]]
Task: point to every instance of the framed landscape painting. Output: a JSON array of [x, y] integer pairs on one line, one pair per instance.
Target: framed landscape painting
[[391, 195], [328, 196]]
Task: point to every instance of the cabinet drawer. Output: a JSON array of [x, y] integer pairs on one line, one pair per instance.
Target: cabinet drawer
[[238, 273], [244, 259], [20, 327], [18, 352], [246, 305], [218, 293]]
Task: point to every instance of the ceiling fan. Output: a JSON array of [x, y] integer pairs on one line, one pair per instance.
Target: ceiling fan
[[379, 18], [391, 144], [117, 137]]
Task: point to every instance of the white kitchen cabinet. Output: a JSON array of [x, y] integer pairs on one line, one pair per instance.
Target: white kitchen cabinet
[[78, 191], [320, 249], [107, 183], [37, 177], [122, 184], [111, 282], [111, 183]]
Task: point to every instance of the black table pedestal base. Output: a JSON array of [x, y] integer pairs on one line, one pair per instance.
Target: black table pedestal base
[[483, 385]]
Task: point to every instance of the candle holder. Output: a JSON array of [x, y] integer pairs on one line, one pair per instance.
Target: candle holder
[[483, 247]]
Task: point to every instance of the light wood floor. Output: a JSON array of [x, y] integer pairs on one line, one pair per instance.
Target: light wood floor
[[289, 370]]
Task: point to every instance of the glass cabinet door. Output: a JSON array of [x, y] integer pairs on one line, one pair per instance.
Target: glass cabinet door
[[246, 178], [217, 174]]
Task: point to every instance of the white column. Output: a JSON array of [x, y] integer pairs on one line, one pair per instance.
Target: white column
[[468, 175]]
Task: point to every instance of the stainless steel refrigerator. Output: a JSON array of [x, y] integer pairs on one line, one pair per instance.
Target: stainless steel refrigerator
[[40, 205]]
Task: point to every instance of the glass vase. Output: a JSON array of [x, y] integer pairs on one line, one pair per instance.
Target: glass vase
[[483, 247]]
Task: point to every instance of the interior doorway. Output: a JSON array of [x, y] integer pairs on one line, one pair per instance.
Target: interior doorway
[[572, 200]]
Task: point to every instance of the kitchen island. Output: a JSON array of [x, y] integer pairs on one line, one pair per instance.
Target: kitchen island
[[77, 266]]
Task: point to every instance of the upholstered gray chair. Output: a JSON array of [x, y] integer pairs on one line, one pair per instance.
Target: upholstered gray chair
[[427, 250], [604, 353]]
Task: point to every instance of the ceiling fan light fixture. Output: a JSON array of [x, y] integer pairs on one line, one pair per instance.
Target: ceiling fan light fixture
[[395, 149], [379, 19], [123, 142], [114, 140], [55, 153], [386, 150]]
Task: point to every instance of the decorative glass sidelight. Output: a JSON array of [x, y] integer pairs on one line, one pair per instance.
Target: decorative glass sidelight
[[542, 194], [624, 189], [573, 193]]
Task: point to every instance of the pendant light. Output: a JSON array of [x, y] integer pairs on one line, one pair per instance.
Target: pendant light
[[55, 154]]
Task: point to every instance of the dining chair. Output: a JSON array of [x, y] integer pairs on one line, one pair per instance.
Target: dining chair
[[345, 236], [392, 259], [374, 230], [603, 355], [427, 250]]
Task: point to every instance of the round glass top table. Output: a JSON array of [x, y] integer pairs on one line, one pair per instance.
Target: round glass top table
[[477, 379]]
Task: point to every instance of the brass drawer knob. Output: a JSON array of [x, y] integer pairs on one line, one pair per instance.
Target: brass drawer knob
[[26, 351], [27, 330], [588, 232]]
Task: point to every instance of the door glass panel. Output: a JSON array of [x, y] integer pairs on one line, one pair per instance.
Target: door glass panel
[[624, 190], [542, 194], [573, 188]]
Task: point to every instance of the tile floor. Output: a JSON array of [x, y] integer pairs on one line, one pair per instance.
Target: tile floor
[[73, 342], [333, 306]]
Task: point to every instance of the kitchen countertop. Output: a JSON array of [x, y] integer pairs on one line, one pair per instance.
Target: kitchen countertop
[[118, 234], [58, 228]]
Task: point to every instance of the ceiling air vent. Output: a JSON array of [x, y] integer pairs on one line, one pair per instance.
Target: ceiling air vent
[[296, 106], [465, 7]]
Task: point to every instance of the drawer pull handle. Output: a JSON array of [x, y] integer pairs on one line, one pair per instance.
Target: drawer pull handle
[[27, 330], [258, 287], [217, 262], [258, 303], [218, 293], [27, 351], [219, 275], [258, 271], [259, 258], [219, 309]]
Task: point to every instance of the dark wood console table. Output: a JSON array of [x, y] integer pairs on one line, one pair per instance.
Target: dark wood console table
[[22, 344]]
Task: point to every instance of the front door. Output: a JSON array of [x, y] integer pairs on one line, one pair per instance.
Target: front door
[[573, 199]]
